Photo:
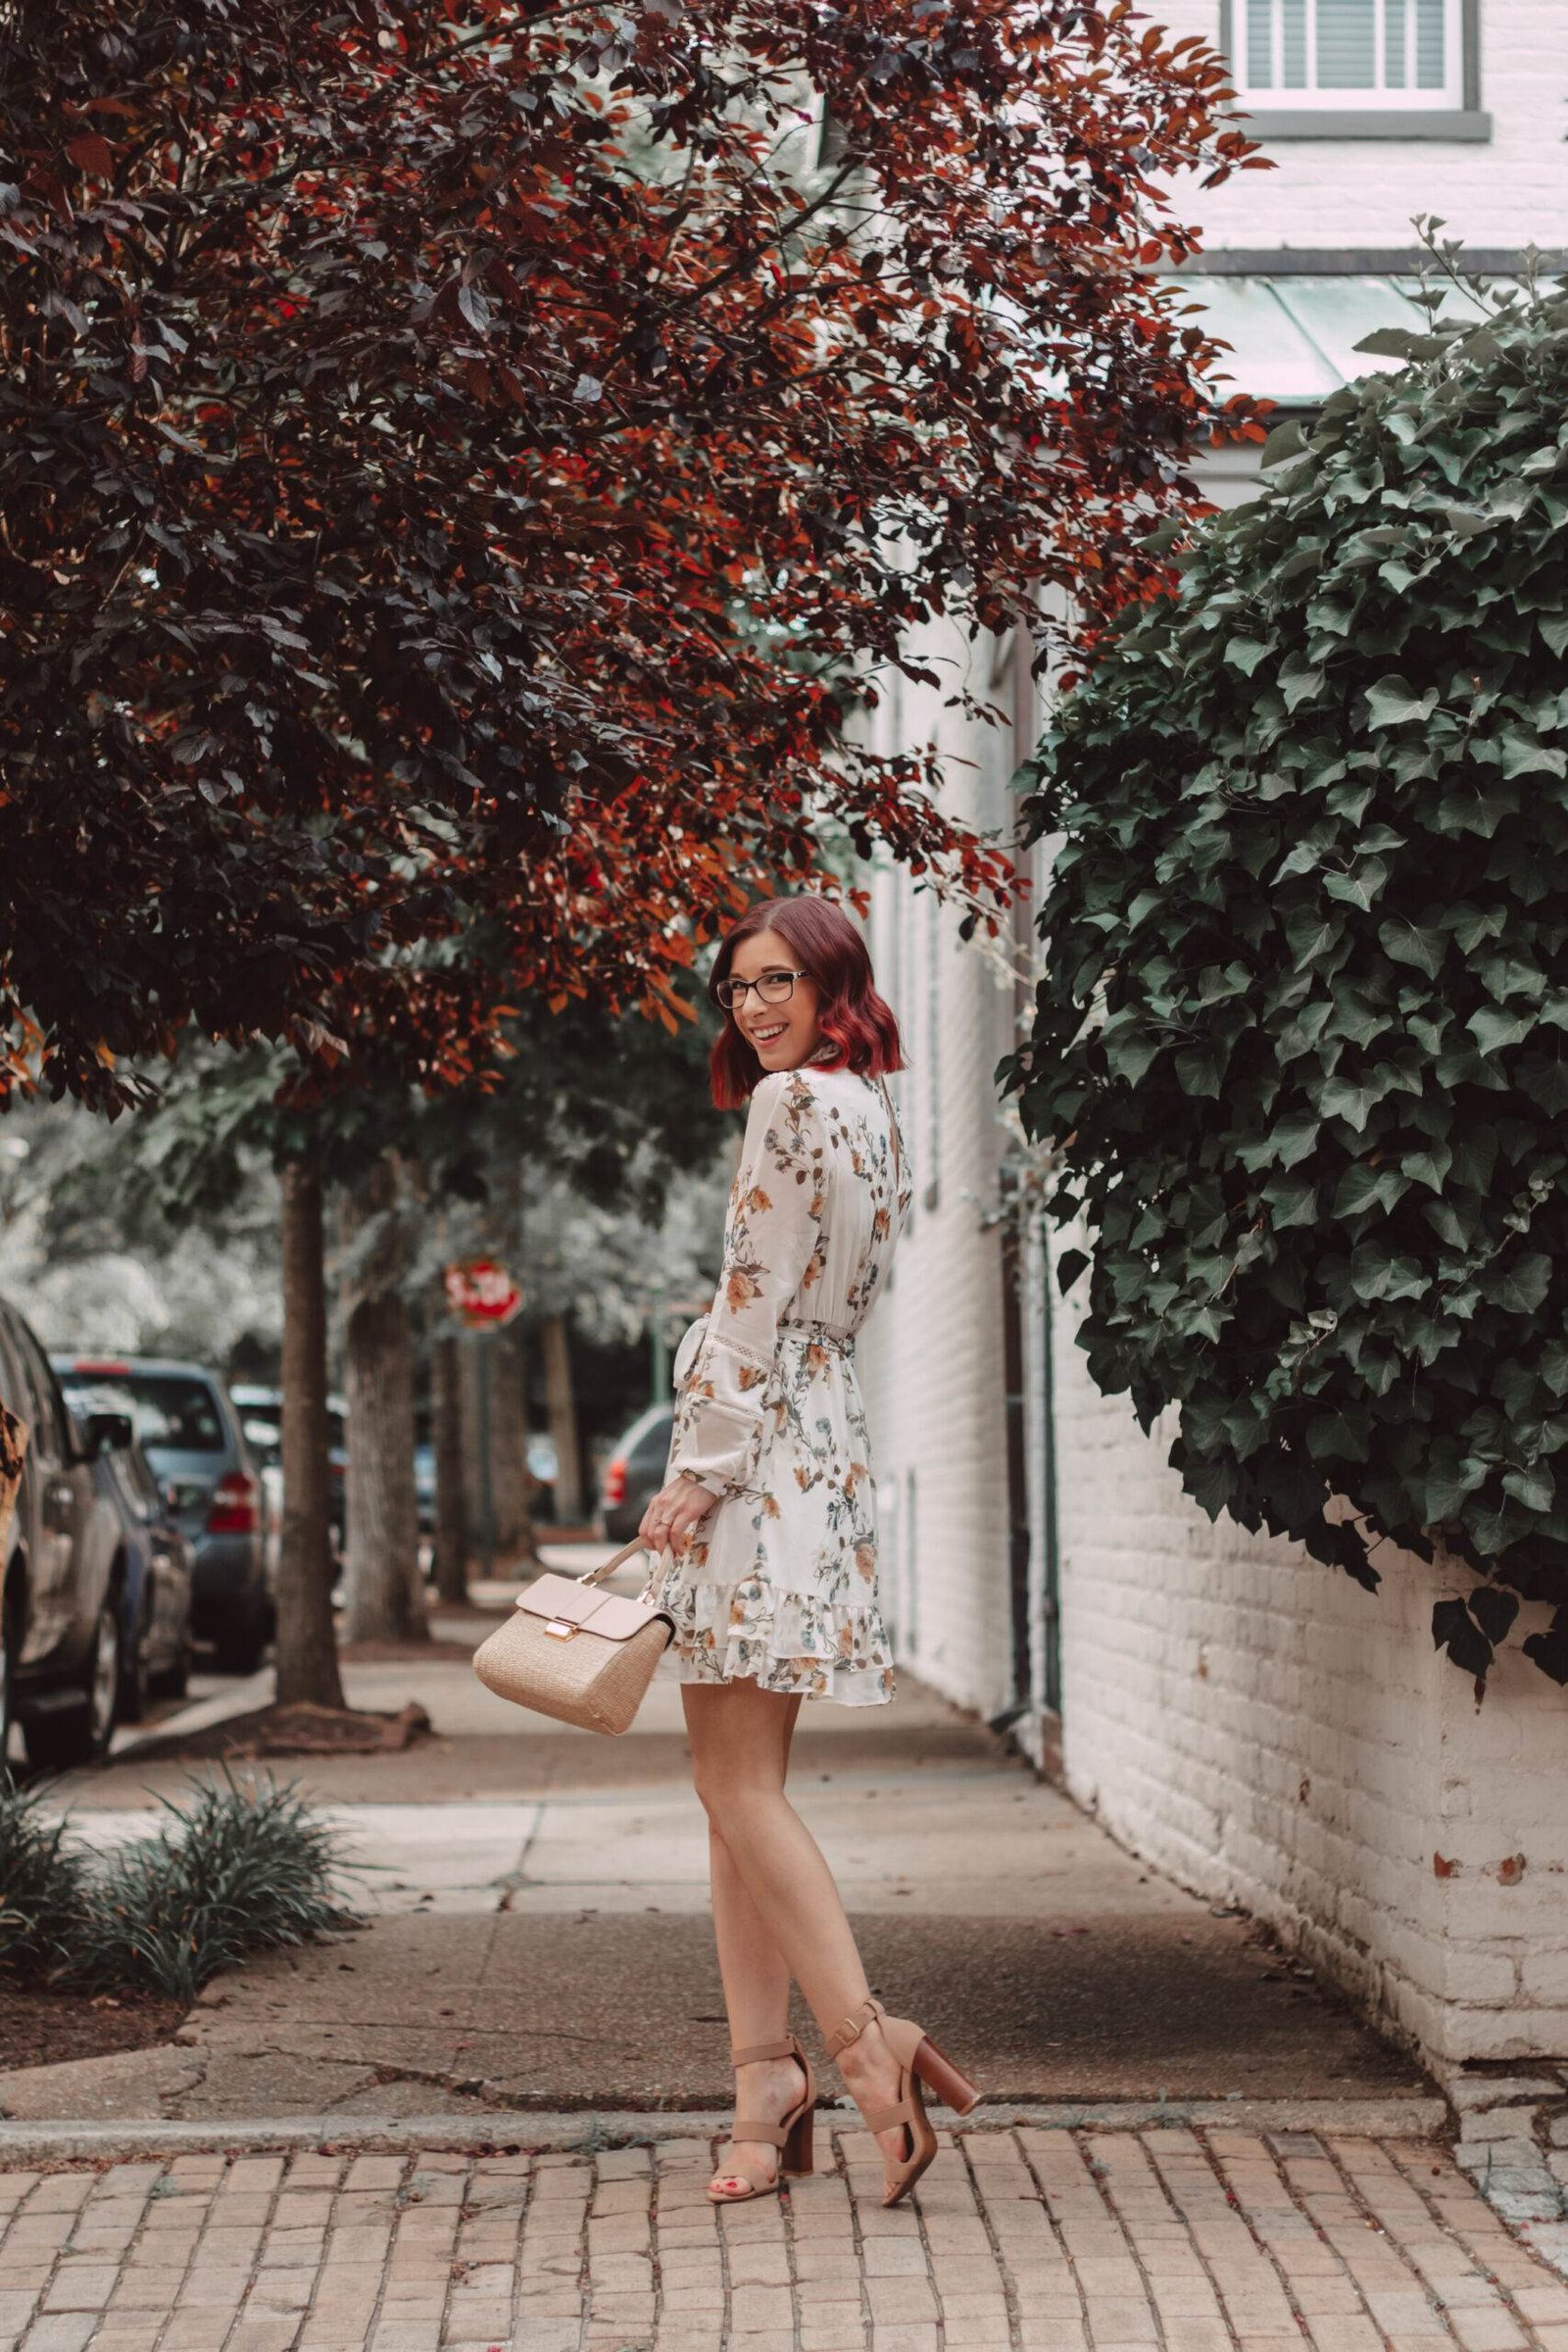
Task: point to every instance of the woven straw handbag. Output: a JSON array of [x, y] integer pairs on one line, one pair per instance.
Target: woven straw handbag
[[575, 1652]]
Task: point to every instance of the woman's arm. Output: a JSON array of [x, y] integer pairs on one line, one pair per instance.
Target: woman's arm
[[772, 1246]]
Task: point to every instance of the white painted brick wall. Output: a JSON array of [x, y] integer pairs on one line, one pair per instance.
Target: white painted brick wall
[[1268, 1732], [1510, 191], [930, 1360]]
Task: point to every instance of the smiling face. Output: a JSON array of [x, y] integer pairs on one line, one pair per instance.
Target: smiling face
[[782, 1036]]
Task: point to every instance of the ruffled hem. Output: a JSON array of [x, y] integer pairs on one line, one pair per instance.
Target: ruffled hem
[[784, 1642]]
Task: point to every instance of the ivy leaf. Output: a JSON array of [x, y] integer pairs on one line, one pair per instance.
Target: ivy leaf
[[1245, 653], [1394, 703], [1454, 1630], [1493, 1028], [1069, 1267], [1352, 1099], [1533, 1486], [1520, 1286], [1550, 1649], [1494, 1611], [1406, 943], [1545, 1082]]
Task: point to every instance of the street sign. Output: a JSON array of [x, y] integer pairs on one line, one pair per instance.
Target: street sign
[[481, 1293]]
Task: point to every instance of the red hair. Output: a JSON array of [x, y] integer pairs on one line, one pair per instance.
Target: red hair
[[853, 1019]]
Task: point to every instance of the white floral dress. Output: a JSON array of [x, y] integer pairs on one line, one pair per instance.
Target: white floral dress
[[779, 1581]]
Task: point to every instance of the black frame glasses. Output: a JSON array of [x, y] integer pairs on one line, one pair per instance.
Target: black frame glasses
[[772, 988]]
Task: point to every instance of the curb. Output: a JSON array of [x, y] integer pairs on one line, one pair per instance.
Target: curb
[[23, 2144]]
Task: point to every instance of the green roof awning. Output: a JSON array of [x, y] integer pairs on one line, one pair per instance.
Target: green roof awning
[[1293, 339]]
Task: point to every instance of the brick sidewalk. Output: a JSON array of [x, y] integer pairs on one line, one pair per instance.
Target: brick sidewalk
[[1056, 2240]]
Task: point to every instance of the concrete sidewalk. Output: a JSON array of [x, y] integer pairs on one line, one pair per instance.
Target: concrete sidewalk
[[543, 1940], [1025, 2241]]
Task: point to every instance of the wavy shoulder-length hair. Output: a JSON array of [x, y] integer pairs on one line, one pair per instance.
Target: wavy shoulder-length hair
[[854, 1021]]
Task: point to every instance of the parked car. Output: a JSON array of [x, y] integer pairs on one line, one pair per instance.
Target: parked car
[[542, 1469], [160, 1569], [72, 1591], [635, 1472], [191, 1435], [261, 1413]]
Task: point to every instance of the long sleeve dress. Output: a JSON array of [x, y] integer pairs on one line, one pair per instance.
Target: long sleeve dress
[[779, 1581]]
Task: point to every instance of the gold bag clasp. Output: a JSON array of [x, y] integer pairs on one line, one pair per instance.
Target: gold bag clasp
[[561, 1629]]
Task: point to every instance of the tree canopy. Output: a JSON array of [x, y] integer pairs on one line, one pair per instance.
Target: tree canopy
[[460, 459], [1304, 1033]]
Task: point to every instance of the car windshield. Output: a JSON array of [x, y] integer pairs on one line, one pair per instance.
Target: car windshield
[[172, 1410]]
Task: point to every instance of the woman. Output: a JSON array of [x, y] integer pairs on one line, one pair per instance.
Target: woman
[[770, 1513]]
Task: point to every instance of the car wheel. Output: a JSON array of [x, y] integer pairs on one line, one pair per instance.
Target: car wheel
[[242, 1646], [175, 1682], [136, 1678], [79, 1734]]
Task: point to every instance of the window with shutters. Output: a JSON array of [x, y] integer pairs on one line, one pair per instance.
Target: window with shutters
[[1411, 64]]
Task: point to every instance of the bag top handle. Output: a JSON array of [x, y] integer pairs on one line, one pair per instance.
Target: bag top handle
[[618, 1559]]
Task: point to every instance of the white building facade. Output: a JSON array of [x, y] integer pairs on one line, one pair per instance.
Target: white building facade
[[1246, 1718]]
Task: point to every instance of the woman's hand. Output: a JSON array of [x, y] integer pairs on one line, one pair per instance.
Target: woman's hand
[[675, 1511]]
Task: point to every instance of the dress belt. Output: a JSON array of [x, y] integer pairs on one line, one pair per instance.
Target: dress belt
[[821, 1335]]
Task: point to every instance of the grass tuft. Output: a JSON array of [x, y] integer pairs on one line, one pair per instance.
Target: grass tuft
[[42, 1886], [235, 1870]]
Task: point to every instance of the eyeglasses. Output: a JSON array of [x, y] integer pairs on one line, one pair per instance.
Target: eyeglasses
[[774, 987]]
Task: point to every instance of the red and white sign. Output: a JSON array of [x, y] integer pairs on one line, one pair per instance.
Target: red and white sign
[[481, 1293]]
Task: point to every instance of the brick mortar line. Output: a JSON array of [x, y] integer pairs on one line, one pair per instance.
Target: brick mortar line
[[841, 2168], [1056, 2231], [1110, 2207], [1439, 2305], [1479, 2266], [1204, 2263], [927, 2249], [656, 2267], [786, 2206], [1324, 2231], [1320, 2233], [1233, 2204], [384, 2280]]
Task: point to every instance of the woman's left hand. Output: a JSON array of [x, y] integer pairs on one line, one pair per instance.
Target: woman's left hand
[[675, 1511]]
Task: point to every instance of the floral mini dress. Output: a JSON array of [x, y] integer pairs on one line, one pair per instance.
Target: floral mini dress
[[778, 1582]]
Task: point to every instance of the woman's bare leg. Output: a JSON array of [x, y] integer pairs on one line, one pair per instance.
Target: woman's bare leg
[[756, 1993], [740, 1751]]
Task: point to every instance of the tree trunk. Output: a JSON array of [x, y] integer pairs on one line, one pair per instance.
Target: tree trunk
[[513, 1487], [307, 1648], [451, 1509], [385, 1594], [562, 1407], [509, 1484]]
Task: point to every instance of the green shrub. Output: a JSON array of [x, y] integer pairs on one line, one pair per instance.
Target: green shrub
[[42, 1897], [1305, 1036], [235, 1871]]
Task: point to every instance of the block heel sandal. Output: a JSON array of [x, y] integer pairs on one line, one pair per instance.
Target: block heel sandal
[[919, 2062], [792, 2137]]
